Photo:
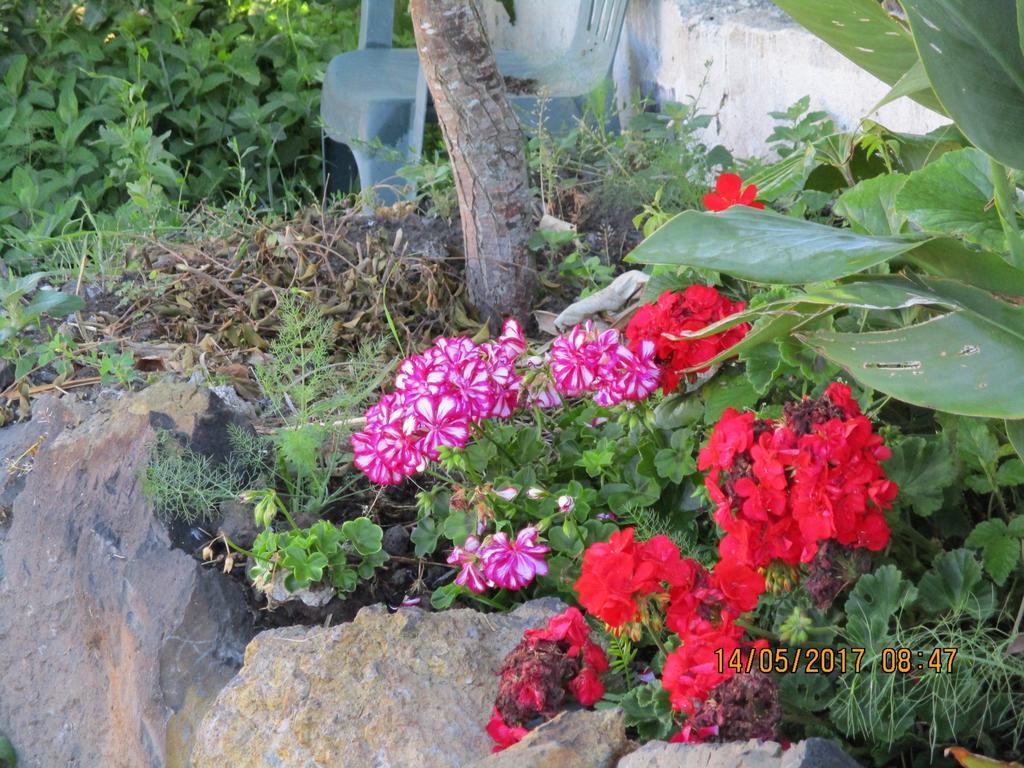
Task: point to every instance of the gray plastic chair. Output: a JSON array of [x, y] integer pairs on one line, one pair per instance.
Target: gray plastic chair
[[374, 99]]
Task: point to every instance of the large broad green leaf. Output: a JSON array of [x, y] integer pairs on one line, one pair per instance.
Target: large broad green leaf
[[1015, 431], [957, 362], [870, 207], [916, 149], [786, 177], [950, 258], [951, 197], [915, 80], [1020, 22], [766, 247], [971, 50], [864, 33]]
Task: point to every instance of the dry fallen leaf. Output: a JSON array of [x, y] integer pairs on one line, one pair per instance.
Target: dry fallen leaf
[[970, 760]]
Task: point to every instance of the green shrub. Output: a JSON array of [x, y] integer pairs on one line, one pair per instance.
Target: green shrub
[[112, 111]]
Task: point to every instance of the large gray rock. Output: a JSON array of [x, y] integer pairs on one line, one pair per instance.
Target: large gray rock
[[579, 739], [385, 691], [112, 643], [813, 753], [817, 753], [735, 754]]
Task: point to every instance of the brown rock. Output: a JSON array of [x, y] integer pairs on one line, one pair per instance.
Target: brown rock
[[112, 643], [579, 739], [409, 689]]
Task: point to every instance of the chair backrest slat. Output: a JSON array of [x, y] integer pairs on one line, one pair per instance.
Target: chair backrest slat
[[599, 24], [376, 23]]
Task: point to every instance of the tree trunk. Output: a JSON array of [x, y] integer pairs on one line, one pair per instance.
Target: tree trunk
[[487, 151]]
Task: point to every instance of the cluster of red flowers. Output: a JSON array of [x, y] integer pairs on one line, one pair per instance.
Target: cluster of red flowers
[[630, 585], [781, 488], [541, 670], [675, 314]]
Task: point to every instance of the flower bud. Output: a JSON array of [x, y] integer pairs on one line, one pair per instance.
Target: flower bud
[[507, 493], [536, 494], [566, 504]]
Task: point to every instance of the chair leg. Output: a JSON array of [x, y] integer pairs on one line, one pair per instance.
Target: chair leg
[[341, 174]]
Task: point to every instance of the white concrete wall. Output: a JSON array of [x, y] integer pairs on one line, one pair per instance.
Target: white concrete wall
[[761, 61]]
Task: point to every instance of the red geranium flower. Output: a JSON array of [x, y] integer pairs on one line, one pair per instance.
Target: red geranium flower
[[587, 687], [618, 575], [729, 191], [675, 314], [781, 488], [568, 626], [504, 735], [741, 585]]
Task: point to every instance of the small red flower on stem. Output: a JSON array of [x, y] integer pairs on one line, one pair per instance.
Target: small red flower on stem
[[729, 191]]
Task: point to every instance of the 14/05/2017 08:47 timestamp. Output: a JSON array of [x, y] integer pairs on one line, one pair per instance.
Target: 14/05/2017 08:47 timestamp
[[828, 660]]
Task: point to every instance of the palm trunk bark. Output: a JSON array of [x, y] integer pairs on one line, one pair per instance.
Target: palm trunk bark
[[487, 151]]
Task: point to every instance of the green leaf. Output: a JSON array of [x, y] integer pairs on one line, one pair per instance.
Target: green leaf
[[595, 460], [1001, 550], [974, 60], [986, 532], [458, 525], [52, 303], [762, 364], [865, 34], [765, 247], [976, 443], [443, 597], [721, 393], [1010, 473], [8, 757], [787, 177], [951, 196], [1015, 433], [674, 465], [326, 536], [15, 75], [424, 536], [877, 599], [914, 81], [680, 409], [955, 584], [1001, 558], [344, 579], [365, 535], [305, 567], [870, 206], [956, 362], [950, 258], [371, 563], [922, 468]]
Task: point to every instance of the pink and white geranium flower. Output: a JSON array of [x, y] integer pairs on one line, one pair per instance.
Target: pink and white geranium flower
[[468, 556], [440, 394], [512, 564]]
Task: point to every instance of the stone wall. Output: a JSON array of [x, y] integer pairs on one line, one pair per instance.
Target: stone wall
[[760, 61]]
